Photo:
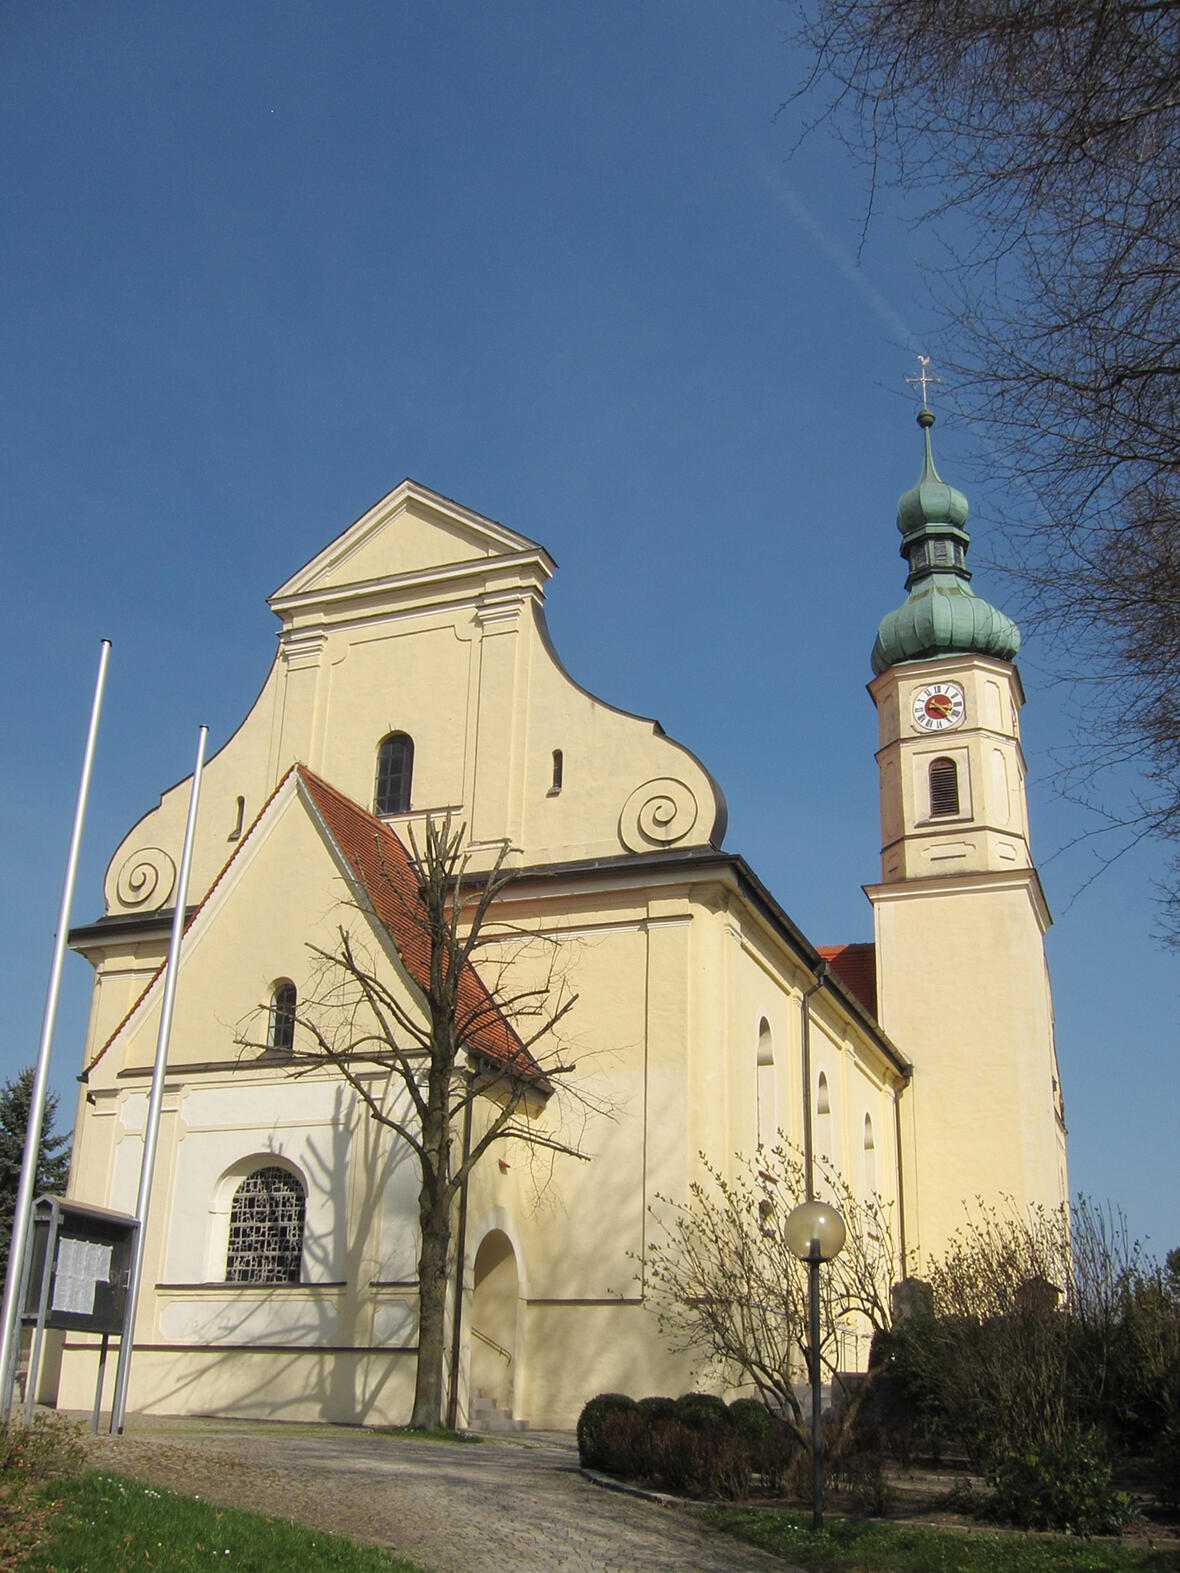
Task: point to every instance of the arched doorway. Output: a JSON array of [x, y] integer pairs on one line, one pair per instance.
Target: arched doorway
[[494, 1302]]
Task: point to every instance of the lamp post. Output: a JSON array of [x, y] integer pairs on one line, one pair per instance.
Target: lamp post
[[815, 1233]]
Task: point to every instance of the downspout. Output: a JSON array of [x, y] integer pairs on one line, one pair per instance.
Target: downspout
[[821, 972], [460, 1254], [900, 1185]]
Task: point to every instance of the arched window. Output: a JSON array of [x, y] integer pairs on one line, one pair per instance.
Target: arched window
[[280, 1032], [266, 1229], [823, 1123], [767, 1113], [944, 787], [870, 1159], [558, 772], [395, 769]]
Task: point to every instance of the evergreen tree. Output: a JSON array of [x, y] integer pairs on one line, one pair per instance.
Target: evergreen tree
[[53, 1163]]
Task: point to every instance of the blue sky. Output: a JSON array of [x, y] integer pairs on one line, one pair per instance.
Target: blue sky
[[562, 263]]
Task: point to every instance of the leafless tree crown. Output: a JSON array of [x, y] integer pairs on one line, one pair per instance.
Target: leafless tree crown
[[1048, 135]]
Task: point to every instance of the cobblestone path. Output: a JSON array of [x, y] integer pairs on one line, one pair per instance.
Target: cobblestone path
[[501, 1506]]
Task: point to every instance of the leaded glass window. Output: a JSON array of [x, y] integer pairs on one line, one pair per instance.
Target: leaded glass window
[[280, 1037], [395, 769], [266, 1229]]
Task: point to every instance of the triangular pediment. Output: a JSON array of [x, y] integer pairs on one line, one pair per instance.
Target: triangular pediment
[[310, 852], [408, 533]]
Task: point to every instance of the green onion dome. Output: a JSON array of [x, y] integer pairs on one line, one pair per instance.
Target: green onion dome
[[942, 614]]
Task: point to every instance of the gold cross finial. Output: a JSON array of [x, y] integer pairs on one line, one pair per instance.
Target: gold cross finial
[[924, 378]]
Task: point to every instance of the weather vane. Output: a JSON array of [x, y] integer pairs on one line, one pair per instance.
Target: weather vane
[[924, 378]]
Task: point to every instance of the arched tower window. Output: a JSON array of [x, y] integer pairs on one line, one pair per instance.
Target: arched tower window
[[266, 1229], [870, 1159], [823, 1123], [944, 787], [395, 769], [765, 1091], [280, 1031], [558, 772]]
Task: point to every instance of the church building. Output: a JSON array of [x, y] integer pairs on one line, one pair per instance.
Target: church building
[[415, 679]]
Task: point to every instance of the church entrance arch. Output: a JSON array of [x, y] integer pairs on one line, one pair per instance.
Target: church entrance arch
[[495, 1300]]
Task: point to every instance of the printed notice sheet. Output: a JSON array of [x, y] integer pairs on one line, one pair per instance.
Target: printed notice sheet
[[81, 1266]]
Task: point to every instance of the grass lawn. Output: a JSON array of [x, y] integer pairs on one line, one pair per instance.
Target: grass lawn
[[872, 1546], [101, 1523]]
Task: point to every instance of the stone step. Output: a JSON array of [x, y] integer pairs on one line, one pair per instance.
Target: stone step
[[484, 1414]]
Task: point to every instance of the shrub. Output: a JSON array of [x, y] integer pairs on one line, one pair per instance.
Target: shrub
[[756, 1426], [675, 1454], [725, 1463], [1165, 1466], [773, 1445], [709, 1461], [653, 1409], [699, 1411], [590, 1423], [51, 1446], [624, 1445], [860, 1468], [752, 1420], [902, 1403], [1064, 1488]]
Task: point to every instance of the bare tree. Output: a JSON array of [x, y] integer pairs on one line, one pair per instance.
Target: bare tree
[[998, 1351], [1048, 135], [728, 1287], [456, 1051]]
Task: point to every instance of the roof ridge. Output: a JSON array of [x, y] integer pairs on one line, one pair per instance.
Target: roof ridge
[[489, 1031]]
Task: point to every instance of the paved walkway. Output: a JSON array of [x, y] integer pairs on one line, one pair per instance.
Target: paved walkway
[[496, 1507]]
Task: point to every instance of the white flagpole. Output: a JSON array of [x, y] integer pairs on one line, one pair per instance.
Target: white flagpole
[[9, 1318], [152, 1128]]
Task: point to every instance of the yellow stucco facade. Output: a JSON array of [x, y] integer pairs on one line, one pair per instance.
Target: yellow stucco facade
[[425, 620], [960, 919]]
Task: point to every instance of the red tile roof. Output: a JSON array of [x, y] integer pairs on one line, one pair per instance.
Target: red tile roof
[[856, 967], [381, 863]]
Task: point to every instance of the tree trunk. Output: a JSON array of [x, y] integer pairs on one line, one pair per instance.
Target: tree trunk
[[434, 1215]]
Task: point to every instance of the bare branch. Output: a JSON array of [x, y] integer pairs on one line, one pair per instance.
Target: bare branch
[[1049, 135], [453, 1043]]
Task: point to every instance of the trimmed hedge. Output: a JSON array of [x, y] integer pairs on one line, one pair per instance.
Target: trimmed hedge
[[654, 1409], [590, 1424], [701, 1411], [696, 1444]]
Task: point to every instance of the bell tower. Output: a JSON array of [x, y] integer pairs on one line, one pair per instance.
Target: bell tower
[[959, 913]]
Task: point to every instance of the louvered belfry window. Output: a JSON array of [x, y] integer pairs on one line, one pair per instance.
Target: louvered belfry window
[[944, 788], [266, 1229], [395, 769]]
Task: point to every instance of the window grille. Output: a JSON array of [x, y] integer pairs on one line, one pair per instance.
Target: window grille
[[280, 1037], [266, 1229], [395, 769], [944, 788]]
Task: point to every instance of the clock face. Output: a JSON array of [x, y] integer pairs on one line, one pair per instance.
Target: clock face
[[939, 707]]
